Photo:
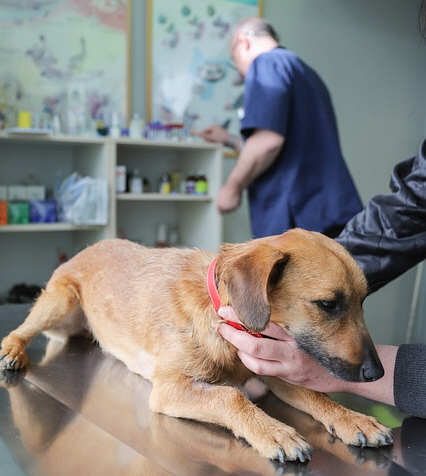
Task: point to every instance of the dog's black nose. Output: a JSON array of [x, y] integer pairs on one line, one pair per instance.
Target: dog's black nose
[[371, 368]]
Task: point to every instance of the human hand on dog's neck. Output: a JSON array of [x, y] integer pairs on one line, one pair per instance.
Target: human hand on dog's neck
[[280, 357]]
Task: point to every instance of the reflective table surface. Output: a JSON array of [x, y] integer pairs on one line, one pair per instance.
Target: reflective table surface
[[77, 411]]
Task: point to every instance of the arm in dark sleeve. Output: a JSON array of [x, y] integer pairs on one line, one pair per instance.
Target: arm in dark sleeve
[[389, 236], [410, 379]]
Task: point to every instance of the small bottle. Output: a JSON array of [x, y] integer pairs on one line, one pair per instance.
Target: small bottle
[[174, 237], [190, 183], [162, 235], [164, 184], [129, 174], [136, 185], [115, 129], [175, 180], [3, 113], [146, 185], [120, 178], [201, 184], [136, 127], [56, 124]]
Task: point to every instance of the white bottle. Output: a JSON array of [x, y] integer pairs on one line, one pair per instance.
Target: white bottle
[[136, 127], [56, 124], [136, 184], [120, 178], [115, 129]]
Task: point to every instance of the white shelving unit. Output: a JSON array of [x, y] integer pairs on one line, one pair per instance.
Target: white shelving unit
[[29, 252], [139, 215]]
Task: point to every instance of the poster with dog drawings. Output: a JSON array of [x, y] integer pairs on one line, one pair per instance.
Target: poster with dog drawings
[[191, 78], [64, 57]]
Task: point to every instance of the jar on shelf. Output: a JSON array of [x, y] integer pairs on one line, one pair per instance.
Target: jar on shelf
[[201, 184], [190, 183], [175, 181], [136, 183], [164, 186], [136, 127], [146, 186]]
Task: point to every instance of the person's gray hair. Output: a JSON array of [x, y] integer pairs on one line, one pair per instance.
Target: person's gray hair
[[255, 26]]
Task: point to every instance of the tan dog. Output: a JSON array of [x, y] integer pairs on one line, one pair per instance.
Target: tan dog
[[151, 309]]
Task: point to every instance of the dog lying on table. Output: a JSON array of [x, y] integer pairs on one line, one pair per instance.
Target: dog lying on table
[[155, 310]]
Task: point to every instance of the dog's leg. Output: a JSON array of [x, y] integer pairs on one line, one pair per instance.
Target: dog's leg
[[228, 407], [351, 427], [57, 301]]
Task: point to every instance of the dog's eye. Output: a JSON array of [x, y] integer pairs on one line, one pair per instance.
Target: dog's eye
[[327, 305]]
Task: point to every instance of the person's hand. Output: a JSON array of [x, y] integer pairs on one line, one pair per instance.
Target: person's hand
[[228, 199], [214, 133], [277, 357]]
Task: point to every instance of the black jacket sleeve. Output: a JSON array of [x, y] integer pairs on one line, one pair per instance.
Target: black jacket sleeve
[[389, 236], [410, 379]]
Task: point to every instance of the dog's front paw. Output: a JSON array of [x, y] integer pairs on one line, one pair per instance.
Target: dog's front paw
[[361, 430], [13, 358], [282, 443]]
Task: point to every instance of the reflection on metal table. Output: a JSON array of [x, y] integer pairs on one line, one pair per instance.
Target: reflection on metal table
[[79, 411]]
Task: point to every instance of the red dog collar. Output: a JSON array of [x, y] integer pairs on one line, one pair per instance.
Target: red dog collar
[[215, 299]]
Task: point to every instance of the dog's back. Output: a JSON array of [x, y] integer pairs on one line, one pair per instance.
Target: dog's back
[[133, 297]]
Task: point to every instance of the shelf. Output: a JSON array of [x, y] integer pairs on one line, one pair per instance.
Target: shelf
[[163, 197], [34, 227], [51, 139], [167, 144], [33, 248]]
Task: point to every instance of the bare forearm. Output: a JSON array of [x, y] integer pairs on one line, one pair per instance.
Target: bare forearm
[[257, 155], [248, 167]]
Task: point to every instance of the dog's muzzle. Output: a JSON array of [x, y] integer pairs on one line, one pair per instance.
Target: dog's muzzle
[[368, 370], [371, 368]]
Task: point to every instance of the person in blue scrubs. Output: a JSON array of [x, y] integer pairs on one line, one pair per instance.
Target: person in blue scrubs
[[290, 158]]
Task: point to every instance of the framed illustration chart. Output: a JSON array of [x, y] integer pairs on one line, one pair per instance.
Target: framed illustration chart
[[68, 58], [191, 79]]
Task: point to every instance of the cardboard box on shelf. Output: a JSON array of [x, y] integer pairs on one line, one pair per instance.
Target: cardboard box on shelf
[[16, 193]]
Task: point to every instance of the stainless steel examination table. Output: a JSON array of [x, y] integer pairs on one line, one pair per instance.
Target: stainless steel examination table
[[78, 412]]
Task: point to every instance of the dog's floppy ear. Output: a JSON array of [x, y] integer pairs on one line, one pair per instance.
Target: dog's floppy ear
[[249, 281]]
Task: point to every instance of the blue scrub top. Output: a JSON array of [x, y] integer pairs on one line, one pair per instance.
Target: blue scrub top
[[308, 185]]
